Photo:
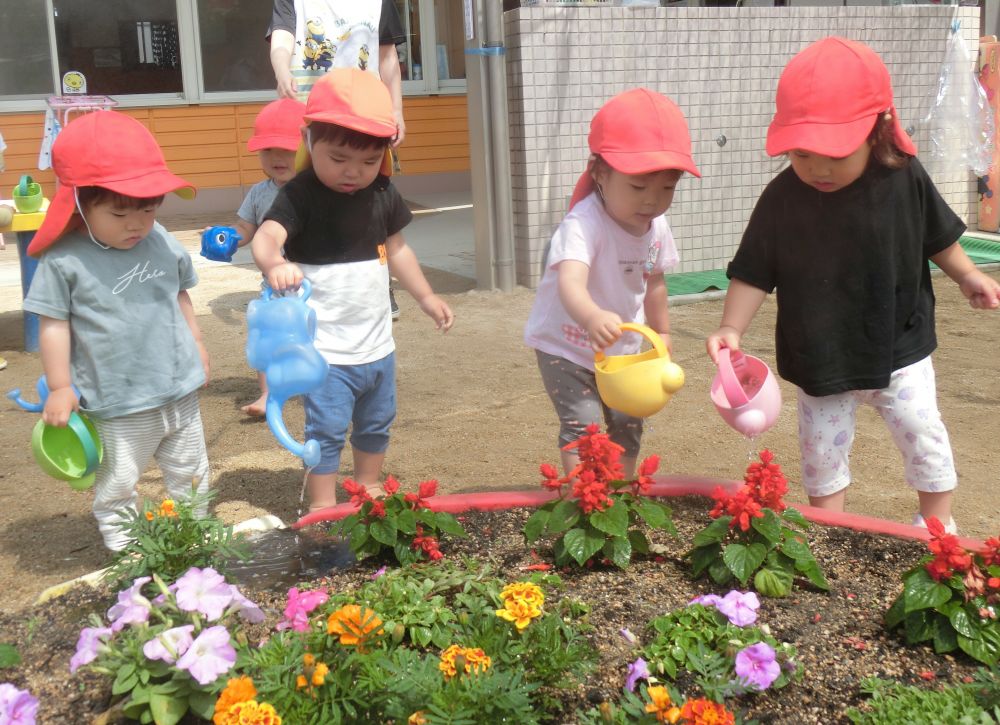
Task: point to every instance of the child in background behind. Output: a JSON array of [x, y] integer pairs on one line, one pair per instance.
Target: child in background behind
[[277, 133], [844, 236], [606, 261], [116, 318], [339, 224]]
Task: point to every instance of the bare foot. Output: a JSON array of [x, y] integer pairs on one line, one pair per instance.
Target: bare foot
[[257, 408], [319, 506]]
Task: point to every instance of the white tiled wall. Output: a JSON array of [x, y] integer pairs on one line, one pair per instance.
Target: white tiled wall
[[721, 65]]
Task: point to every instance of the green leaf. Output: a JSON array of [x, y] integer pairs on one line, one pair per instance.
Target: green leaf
[[895, 614], [619, 550], [9, 656], [448, 524], [535, 526], [813, 573], [719, 572], [978, 650], [773, 582], [125, 680], [166, 709], [202, 704], [945, 636], [406, 522], [612, 520], [794, 516], [639, 542], [919, 626], [564, 516], [714, 533], [359, 536], [795, 546], [744, 560], [383, 531], [768, 526], [655, 514], [582, 544], [963, 623], [703, 557], [920, 591]]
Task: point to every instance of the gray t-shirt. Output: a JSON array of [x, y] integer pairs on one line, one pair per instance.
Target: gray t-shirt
[[131, 348], [257, 201]]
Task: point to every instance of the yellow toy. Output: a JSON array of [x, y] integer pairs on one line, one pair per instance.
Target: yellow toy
[[641, 384]]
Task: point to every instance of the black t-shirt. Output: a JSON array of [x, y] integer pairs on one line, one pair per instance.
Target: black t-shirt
[[327, 227], [854, 294], [390, 27]]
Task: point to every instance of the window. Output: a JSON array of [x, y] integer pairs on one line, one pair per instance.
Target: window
[[234, 54], [410, 64], [25, 57], [126, 48], [450, 25]]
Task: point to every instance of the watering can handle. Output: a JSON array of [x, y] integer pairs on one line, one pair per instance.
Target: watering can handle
[[650, 334], [77, 425], [22, 187], [731, 384], [267, 293]]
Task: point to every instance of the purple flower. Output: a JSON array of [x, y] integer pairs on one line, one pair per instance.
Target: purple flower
[[17, 707], [740, 609], [378, 573], [204, 591], [170, 644], [638, 670], [247, 609], [298, 608], [209, 656], [756, 666], [88, 646], [627, 635], [132, 607], [707, 600]]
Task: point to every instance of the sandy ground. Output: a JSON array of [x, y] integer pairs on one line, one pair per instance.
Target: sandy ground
[[473, 414]]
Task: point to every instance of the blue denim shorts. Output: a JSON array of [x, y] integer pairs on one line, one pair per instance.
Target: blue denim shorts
[[364, 395]]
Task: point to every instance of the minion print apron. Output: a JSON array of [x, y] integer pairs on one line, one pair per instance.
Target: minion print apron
[[334, 34]]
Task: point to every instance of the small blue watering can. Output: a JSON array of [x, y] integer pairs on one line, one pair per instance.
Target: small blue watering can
[[280, 345], [42, 386], [220, 243]]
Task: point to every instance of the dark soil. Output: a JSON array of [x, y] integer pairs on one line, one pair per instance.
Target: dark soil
[[839, 635]]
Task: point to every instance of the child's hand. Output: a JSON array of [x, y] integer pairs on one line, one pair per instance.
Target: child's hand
[[284, 276], [206, 364], [665, 336], [603, 327], [982, 291], [60, 403], [439, 311], [725, 336]]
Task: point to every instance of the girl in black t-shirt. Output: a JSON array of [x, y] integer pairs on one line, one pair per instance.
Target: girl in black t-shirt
[[844, 236]]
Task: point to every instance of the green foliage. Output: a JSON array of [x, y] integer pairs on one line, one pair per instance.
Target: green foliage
[[169, 538], [771, 553], [631, 710], [892, 703], [937, 612], [9, 656], [396, 522], [986, 688], [701, 640]]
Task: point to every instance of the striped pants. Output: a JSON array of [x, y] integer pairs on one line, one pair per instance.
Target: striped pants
[[173, 435]]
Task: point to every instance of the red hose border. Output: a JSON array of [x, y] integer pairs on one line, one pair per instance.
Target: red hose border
[[664, 486]]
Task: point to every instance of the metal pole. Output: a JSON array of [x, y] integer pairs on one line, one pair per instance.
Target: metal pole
[[502, 206]]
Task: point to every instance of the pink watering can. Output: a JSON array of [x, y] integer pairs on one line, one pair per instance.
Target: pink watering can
[[745, 392], [280, 345]]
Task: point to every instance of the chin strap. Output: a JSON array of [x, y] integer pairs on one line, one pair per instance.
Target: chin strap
[[76, 197]]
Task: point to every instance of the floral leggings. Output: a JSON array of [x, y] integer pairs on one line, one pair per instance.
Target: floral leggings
[[908, 407]]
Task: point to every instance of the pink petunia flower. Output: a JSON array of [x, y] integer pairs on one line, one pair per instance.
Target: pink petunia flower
[[204, 591], [740, 608], [92, 640], [300, 604], [209, 656], [247, 609], [170, 644], [17, 707], [132, 606], [756, 666], [638, 670]]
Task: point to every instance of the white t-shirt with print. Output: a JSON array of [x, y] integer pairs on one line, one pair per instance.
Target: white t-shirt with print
[[620, 263], [334, 34]]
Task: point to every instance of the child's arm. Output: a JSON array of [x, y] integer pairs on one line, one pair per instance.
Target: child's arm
[[282, 45], [655, 307], [742, 302], [403, 265], [266, 249], [601, 325], [187, 309], [982, 291], [245, 229], [54, 344]]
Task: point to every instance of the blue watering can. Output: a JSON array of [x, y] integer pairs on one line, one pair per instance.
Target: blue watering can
[[220, 243], [280, 345], [42, 386]]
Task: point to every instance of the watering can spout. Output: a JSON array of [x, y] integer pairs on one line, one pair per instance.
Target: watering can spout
[[309, 451]]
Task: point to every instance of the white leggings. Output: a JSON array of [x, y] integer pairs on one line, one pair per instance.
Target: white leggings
[[173, 435], [908, 407]]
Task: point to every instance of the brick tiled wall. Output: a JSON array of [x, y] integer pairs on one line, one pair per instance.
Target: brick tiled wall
[[721, 65]]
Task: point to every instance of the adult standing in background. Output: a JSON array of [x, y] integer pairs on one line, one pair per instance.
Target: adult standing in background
[[309, 37]]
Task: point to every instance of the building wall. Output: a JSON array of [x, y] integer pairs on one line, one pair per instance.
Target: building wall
[[207, 144], [721, 65]]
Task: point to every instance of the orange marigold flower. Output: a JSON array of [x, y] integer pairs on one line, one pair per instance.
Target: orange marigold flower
[[353, 624], [417, 718], [150, 516], [301, 683], [662, 706], [167, 508], [319, 674], [251, 713], [238, 689], [525, 591], [472, 660], [706, 712]]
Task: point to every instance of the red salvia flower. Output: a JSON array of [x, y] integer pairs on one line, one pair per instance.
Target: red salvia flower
[[358, 493], [949, 556], [377, 510], [391, 485], [991, 551]]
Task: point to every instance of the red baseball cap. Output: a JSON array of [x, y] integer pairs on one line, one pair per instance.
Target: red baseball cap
[[829, 97], [638, 132], [278, 126], [110, 150]]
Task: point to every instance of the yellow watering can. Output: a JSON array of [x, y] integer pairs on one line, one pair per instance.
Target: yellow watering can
[[638, 385]]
